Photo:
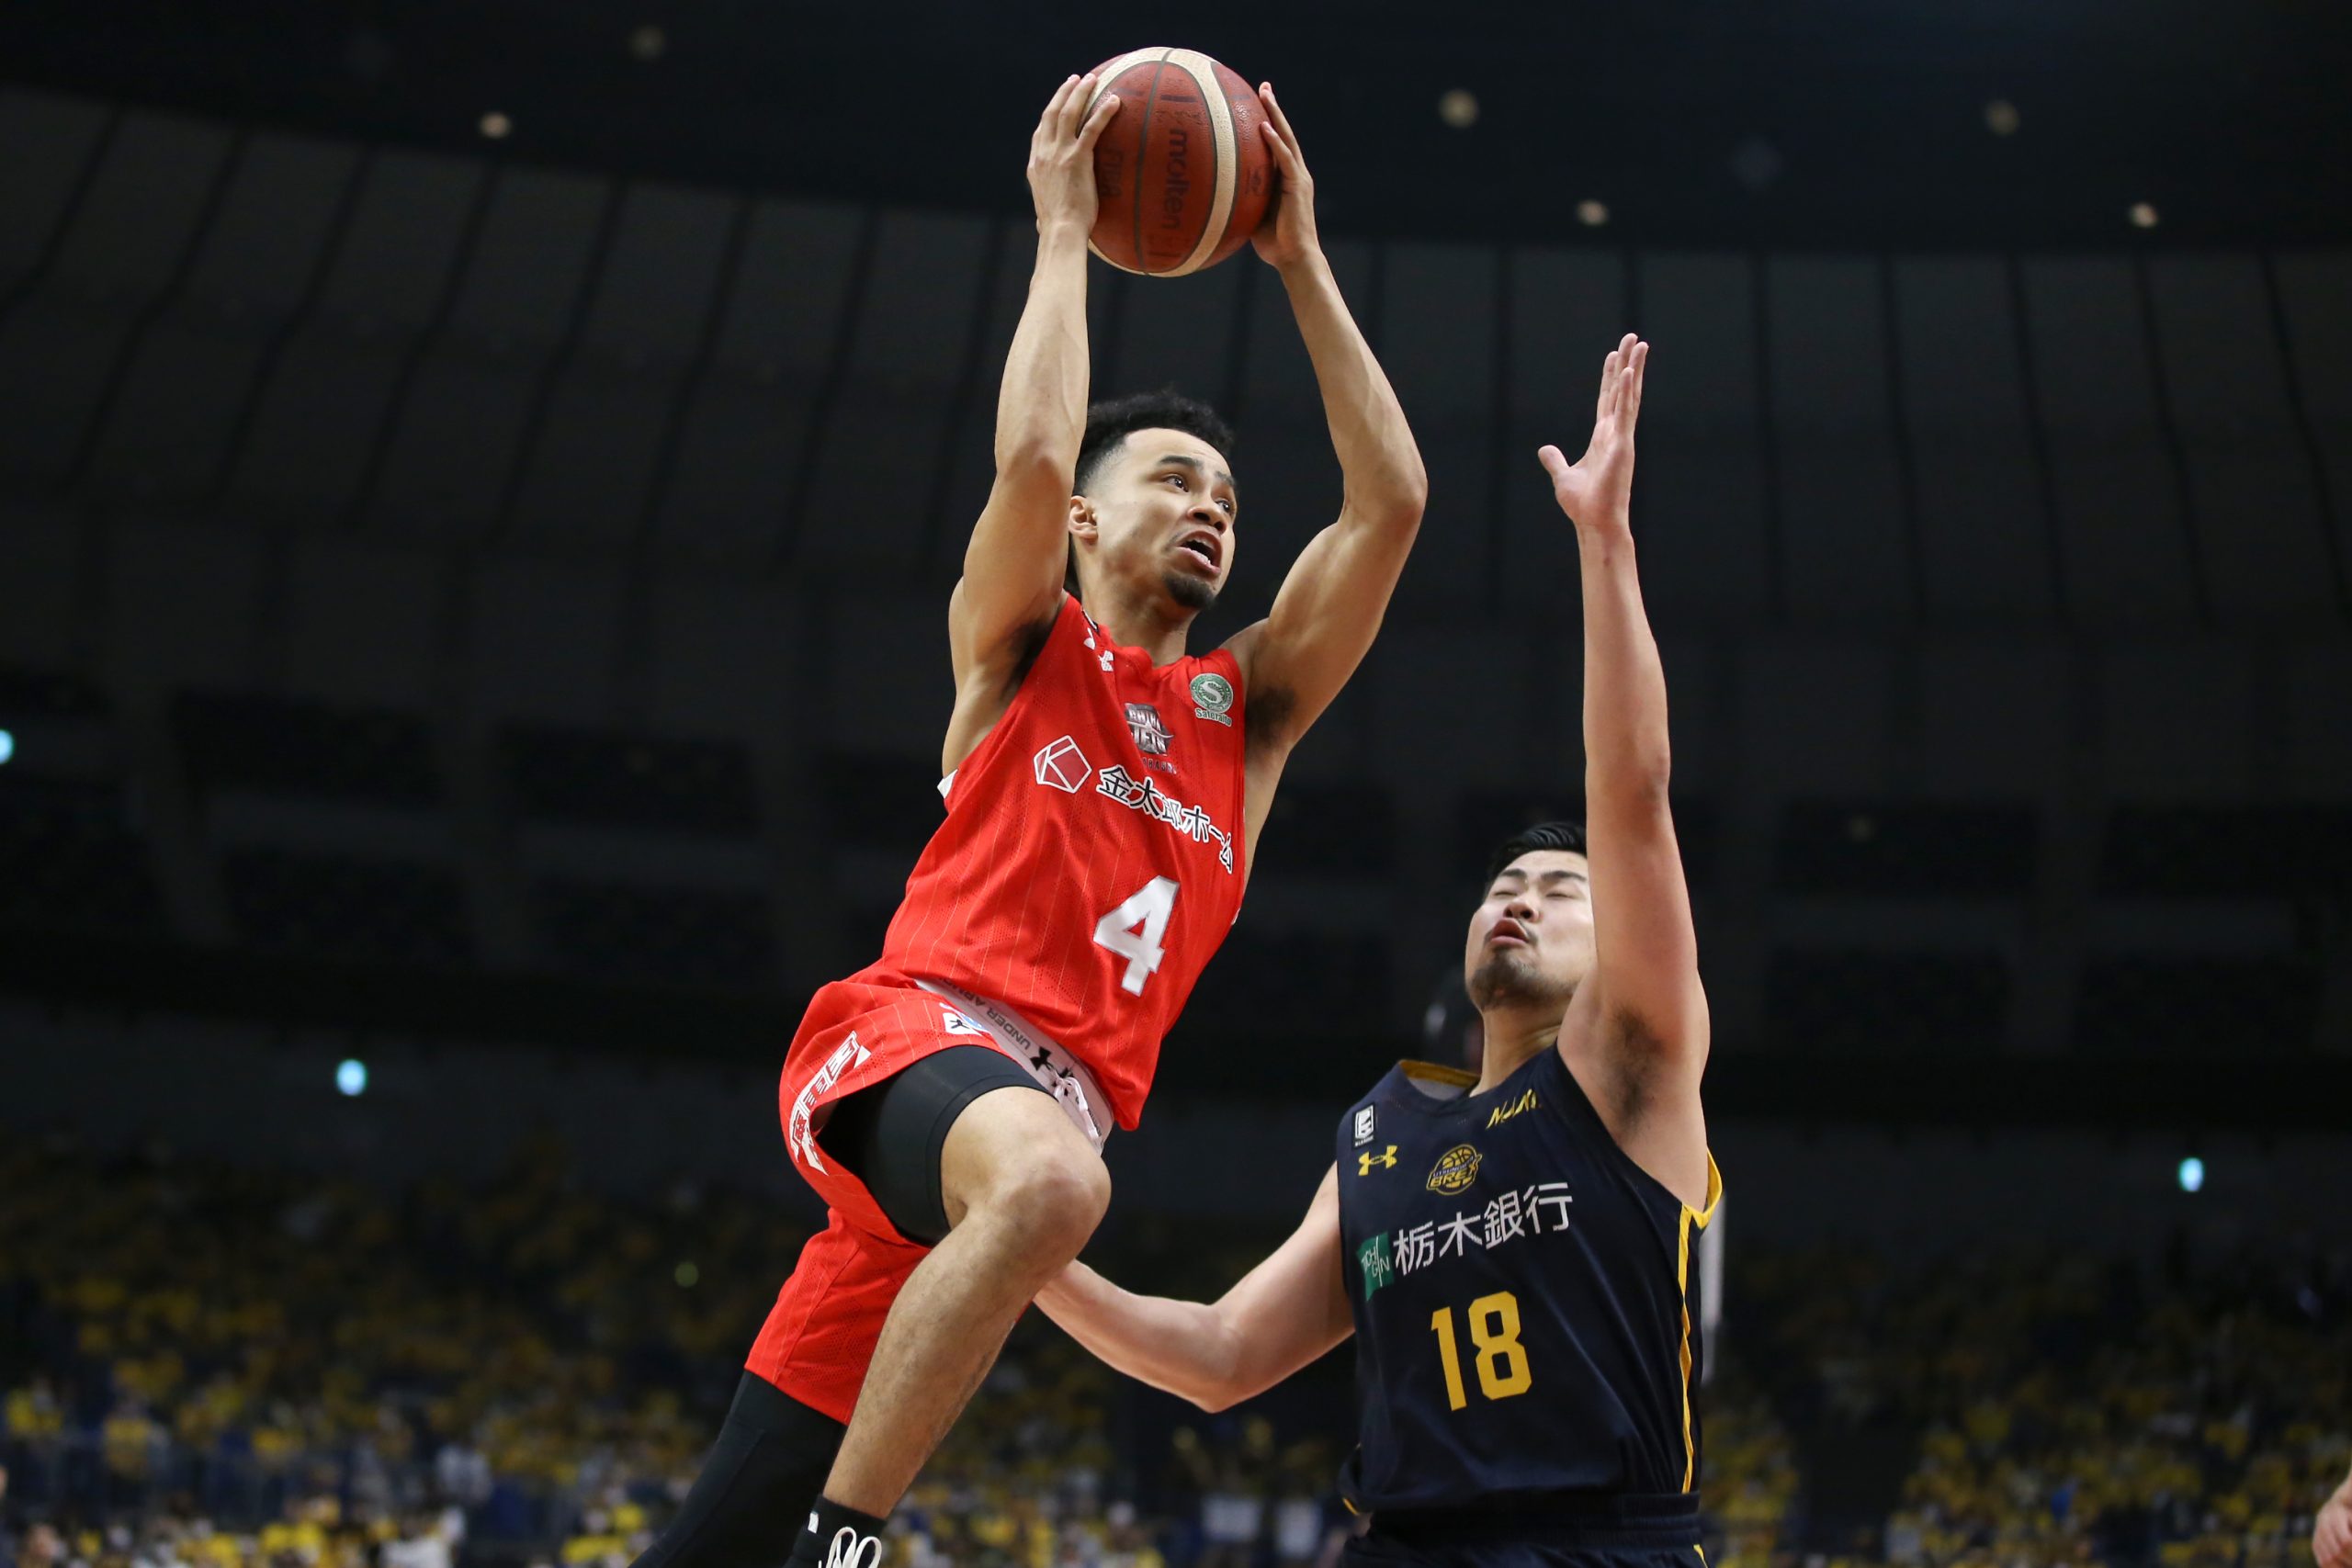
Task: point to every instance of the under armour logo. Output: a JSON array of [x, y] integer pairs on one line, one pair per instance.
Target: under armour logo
[[1042, 1060], [1366, 1160], [1106, 656]]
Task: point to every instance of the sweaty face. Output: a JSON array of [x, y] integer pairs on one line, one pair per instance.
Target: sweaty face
[[1530, 938], [1159, 513]]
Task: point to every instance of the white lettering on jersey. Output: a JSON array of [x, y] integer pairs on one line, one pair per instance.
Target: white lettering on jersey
[[846, 1056], [1146, 796]]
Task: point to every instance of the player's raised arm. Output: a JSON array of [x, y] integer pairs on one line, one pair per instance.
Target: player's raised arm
[[1284, 1313], [1645, 990], [1330, 605], [2332, 1530], [1013, 568]]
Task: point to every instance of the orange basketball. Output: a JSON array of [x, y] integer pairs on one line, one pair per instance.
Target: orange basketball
[[1182, 169]]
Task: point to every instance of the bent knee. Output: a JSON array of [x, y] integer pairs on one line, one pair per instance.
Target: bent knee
[[1051, 1201]]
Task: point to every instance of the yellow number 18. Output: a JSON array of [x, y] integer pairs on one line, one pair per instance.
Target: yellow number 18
[[1502, 1359]]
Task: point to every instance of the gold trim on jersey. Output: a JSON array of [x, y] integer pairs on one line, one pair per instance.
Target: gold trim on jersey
[[1433, 1072], [1692, 1217]]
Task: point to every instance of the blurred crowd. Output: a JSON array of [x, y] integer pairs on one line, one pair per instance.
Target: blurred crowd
[[206, 1367], [2044, 1408]]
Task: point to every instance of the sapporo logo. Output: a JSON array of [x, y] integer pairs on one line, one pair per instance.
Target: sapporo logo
[[1456, 1169], [1212, 696]]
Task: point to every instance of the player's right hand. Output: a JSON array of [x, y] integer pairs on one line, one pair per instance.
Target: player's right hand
[[2331, 1537], [1061, 156]]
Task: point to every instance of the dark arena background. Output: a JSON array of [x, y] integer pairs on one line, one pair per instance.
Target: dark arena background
[[479, 489]]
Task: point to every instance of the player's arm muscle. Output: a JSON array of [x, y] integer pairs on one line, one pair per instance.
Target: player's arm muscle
[[1282, 1314], [1331, 604], [1013, 566], [1645, 948]]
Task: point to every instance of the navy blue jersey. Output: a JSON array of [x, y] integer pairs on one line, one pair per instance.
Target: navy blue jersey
[[1524, 1295]]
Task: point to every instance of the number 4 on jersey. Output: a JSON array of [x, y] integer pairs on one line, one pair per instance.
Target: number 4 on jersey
[[1150, 907]]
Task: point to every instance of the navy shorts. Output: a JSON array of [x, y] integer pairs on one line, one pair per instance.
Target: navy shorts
[[1506, 1536]]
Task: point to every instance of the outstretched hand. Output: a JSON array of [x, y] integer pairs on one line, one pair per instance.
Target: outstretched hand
[[1597, 490], [1286, 233], [1061, 156], [2332, 1531]]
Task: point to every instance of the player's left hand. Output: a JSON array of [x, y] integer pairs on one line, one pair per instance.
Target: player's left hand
[[1597, 490], [1286, 235]]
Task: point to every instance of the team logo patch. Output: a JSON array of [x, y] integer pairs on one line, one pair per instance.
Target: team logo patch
[[1363, 1125], [1151, 735], [1061, 765], [1367, 1161], [1456, 1169], [1212, 697], [1377, 1269], [1505, 1112]]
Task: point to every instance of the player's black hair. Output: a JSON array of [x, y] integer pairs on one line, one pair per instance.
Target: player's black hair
[[1112, 421], [1567, 837]]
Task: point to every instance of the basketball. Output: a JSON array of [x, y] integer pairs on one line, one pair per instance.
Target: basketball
[[1182, 169]]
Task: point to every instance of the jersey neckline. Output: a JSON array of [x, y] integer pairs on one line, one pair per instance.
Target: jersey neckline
[[1405, 1078], [1143, 654]]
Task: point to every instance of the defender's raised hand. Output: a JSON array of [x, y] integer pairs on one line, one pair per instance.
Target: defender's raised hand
[[1061, 156], [2332, 1531], [1596, 491], [1286, 235]]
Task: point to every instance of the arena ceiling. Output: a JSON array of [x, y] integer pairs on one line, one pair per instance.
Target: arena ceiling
[[1832, 123]]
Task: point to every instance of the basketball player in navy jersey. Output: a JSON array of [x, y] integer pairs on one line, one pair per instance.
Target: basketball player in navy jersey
[[1512, 1249]]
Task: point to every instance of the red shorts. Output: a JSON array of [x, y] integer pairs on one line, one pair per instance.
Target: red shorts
[[820, 1337]]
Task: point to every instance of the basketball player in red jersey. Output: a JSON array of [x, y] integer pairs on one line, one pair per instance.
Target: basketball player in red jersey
[[1104, 795]]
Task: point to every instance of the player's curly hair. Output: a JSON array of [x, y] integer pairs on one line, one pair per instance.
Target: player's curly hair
[[1567, 837], [1112, 421]]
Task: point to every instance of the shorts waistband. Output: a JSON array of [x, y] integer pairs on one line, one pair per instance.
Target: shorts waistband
[[1624, 1519], [1057, 1072]]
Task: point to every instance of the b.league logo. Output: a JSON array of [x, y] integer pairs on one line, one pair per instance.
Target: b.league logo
[[1151, 735]]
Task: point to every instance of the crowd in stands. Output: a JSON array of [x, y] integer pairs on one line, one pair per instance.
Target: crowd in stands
[[206, 1367], [2058, 1409]]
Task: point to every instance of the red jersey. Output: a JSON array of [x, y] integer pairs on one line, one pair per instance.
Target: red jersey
[[1091, 859]]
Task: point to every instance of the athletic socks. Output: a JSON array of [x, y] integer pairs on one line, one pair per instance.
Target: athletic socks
[[839, 1536]]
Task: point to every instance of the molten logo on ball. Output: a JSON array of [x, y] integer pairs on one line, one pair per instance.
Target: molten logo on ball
[[1182, 170]]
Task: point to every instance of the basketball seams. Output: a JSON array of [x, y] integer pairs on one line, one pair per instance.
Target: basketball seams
[[1143, 151], [1222, 134], [1105, 77]]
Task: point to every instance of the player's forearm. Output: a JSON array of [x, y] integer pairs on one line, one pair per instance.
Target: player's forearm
[[1627, 758], [1378, 458], [1041, 406], [1180, 1347]]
